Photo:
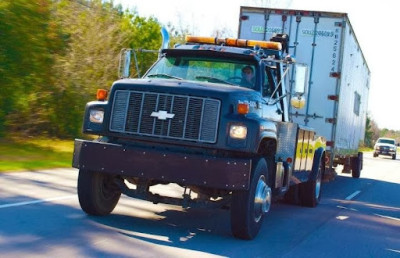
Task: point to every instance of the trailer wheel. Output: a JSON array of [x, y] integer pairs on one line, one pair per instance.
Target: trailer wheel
[[310, 191], [356, 165], [249, 207], [98, 194]]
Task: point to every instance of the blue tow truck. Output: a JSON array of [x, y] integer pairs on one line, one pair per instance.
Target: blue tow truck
[[190, 120]]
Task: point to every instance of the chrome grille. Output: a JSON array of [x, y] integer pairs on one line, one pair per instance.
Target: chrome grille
[[143, 113]]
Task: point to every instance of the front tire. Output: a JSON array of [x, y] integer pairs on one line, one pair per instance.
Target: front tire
[[97, 192], [248, 207], [394, 156]]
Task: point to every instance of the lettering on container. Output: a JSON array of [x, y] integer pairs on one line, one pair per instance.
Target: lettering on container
[[261, 29], [335, 50], [319, 33]]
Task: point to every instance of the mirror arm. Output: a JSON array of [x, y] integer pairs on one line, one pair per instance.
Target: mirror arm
[[277, 87], [136, 63], [277, 100]]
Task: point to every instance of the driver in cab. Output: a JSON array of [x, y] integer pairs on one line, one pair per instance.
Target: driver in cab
[[247, 77]]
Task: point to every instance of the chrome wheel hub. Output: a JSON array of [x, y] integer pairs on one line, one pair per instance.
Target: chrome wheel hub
[[262, 199], [318, 184]]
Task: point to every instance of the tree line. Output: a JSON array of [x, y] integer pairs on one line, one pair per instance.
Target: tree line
[[55, 54], [373, 132]]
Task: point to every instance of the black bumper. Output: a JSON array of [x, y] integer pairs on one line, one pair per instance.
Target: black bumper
[[171, 167], [385, 152]]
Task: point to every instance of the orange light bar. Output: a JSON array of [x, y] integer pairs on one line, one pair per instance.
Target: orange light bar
[[243, 108], [203, 40], [265, 44], [234, 42], [101, 94]]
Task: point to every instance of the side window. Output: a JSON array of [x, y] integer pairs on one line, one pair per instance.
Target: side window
[[269, 81]]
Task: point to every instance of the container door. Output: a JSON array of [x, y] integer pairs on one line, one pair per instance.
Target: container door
[[315, 40]]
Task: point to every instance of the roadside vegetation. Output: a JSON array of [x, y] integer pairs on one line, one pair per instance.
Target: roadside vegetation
[[54, 55], [21, 154]]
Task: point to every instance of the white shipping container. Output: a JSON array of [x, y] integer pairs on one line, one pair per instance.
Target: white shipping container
[[338, 87]]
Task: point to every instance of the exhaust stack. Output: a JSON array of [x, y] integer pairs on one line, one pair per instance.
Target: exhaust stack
[[165, 38]]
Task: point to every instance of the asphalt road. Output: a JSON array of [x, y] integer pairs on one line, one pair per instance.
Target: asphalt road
[[40, 217]]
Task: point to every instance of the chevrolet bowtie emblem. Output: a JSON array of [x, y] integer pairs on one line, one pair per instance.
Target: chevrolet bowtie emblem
[[162, 115]]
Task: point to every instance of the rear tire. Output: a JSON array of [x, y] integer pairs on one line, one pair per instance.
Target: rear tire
[[356, 165], [248, 208], [97, 192], [310, 191]]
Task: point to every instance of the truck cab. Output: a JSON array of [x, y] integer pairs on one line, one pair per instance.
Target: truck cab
[[194, 120]]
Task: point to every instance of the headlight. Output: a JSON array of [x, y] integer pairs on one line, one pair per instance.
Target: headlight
[[96, 116], [238, 132]]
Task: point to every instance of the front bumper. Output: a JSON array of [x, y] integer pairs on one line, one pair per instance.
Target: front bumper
[[166, 166], [385, 152]]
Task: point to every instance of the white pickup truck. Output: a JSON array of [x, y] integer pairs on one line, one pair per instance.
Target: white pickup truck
[[385, 146]]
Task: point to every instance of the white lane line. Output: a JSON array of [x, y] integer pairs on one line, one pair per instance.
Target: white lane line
[[346, 208], [37, 201], [351, 196], [395, 251], [387, 217]]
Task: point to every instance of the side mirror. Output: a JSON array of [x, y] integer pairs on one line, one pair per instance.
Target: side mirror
[[300, 78], [299, 86], [124, 63]]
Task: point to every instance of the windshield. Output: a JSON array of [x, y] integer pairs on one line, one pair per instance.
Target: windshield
[[387, 141], [214, 70]]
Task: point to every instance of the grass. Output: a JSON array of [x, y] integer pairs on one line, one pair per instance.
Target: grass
[[18, 154], [365, 149]]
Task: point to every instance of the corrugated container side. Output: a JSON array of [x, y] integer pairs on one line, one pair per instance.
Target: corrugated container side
[[353, 95], [323, 41]]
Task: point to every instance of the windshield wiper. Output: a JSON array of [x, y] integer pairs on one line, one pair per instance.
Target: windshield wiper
[[163, 75], [213, 79]]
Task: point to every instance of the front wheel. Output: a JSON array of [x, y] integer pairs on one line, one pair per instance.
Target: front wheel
[[98, 194], [248, 207], [393, 156]]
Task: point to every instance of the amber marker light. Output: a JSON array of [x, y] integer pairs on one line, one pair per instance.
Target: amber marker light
[[243, 108], [101, 94], [265, 44], [202, 40]]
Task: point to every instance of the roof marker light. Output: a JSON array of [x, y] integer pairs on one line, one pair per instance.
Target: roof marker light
[[234, 42]]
